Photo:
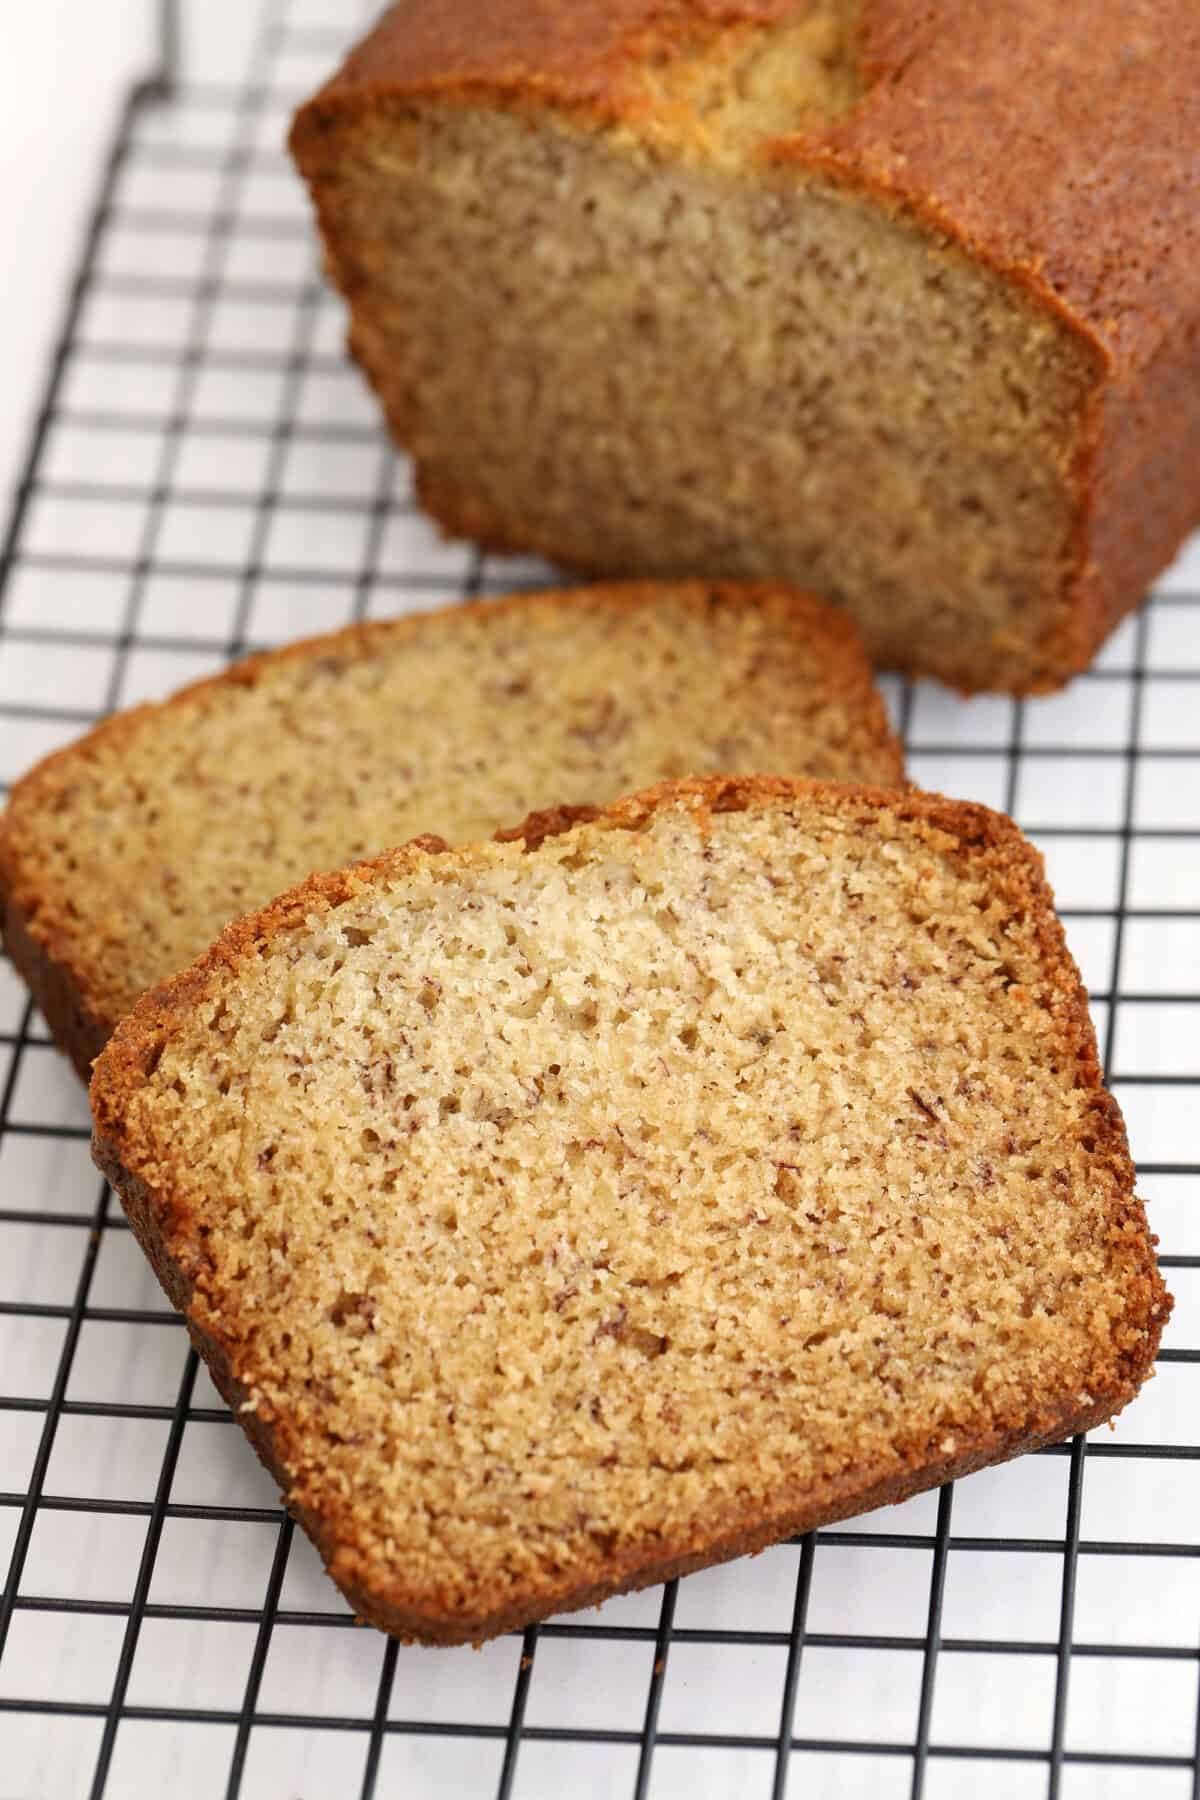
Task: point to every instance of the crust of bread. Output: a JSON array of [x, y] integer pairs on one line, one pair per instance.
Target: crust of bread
[[62, 993], [163, 1225], [1049, 144], [69, 988]]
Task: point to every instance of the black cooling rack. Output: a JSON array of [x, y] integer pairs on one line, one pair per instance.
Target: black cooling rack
[[207, 475]]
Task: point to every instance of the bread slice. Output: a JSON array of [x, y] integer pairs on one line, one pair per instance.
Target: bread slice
[[895, 299], [565, 1215], [122, 857]]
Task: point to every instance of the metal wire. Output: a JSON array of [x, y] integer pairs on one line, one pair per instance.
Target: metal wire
[[150, 479]]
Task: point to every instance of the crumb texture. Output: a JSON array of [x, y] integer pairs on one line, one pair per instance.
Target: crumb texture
[[703, 361], [132, 852], [559, 1205]]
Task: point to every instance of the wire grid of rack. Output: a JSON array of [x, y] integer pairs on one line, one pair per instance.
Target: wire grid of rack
[[207, 475]]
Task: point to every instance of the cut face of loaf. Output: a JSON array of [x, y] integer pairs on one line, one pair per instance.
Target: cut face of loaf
[[561, 1218], [122, 857], [849, 295]]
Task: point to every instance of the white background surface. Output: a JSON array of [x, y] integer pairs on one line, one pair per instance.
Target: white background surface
[[64, 68]]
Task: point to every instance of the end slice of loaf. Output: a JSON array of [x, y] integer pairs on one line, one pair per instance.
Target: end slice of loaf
[[564, 1216], [122, 857]]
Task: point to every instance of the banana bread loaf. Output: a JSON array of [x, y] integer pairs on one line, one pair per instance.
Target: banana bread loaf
[[122, 857], [566, 1215], [899, 301]]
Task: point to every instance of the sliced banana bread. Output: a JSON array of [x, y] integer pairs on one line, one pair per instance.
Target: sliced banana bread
[[122, 857], [566, 1215]]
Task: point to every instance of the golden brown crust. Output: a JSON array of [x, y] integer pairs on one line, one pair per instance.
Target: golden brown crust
[[576, 55], [162, 1225], [546, 823], [1053, 144], [70, 988], [62, 995]]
